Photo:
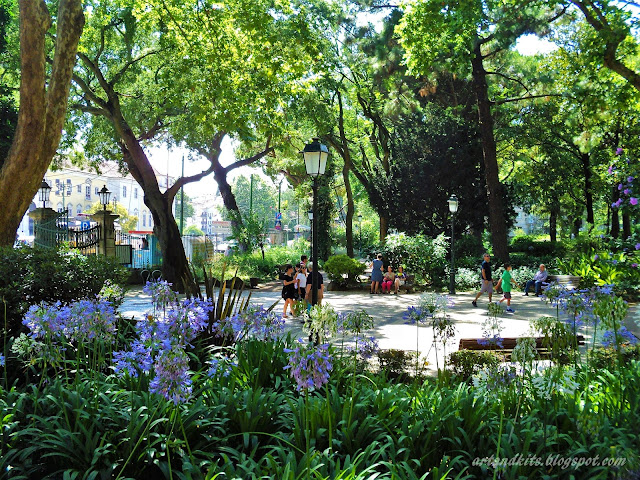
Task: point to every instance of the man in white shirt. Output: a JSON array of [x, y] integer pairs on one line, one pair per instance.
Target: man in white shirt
[[538, 279]]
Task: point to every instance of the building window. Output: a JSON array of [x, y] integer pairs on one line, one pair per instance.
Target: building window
[[144, 219], [135, 192], [79, 189], [87, 192], [96, 190], [124, 191], [150, 220], [78, 209]]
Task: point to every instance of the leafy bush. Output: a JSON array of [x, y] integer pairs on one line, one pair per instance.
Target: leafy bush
[[425, 257], [31, 275], [467, 279], [468, 246], [466, 363], [530, 245], [339, 266], [253, 265]]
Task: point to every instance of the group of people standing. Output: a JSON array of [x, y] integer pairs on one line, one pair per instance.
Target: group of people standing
[[297, 282], [381, 280], [506, 281]]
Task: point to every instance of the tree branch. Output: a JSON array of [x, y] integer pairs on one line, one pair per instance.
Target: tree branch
[[529, 97], [116, 78]]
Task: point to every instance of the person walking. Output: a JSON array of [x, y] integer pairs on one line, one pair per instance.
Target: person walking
[[376, 274], [506, 281], [487, 281], [538, 279]]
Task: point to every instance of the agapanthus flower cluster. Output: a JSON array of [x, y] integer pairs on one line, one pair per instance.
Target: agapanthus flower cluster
[[310, 365], [131, 362], [163, 338], [491, 332], [321, 321], [82, 321], [433, 303], [624, 337], [354, 322], [161, 293], [254, 321], [221, 367], [1, 360], [495, 379], [576, 304], [365, 347], [626, 186], [550, 382], [172, 379], [415, 315]]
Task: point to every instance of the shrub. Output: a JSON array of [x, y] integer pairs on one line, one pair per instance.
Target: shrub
[[466, 363], [420, 255], [531, 245], [467, 279], [31, 275], [253, 265], [340, 265]]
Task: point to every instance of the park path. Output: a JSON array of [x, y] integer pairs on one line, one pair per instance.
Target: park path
[[387, 310]]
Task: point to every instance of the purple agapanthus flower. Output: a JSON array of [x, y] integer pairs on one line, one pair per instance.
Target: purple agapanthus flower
[[172, 379], [619, 151], [366, 347], [2, 361], [494, 340], [310, 365], [624, 336], [633, 201]]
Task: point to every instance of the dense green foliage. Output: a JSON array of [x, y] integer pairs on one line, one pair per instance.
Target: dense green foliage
[[343, 270], [29, 276], [418, 254]]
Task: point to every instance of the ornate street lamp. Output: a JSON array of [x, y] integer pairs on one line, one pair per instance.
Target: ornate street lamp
[[43, 193], [315, 161], [453, 208], [104, 195]]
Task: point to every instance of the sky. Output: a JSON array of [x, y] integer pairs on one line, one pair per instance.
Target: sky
[[163, 159]]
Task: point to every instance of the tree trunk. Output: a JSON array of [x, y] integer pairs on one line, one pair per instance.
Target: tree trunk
[[494, 188], [553, 225], [228, 198], [615, 219], [626, 225], [43, 105], [350, 210], [175, 266], [384, 226], [588, 187]]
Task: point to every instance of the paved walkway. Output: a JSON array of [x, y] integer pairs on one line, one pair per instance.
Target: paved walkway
[[387, 310]]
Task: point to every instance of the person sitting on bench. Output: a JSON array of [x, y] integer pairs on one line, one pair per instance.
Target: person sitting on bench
[[538, 279]]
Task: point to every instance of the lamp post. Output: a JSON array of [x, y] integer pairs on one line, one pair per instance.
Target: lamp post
[[310, 215], [315, 161], [104, 195], [43, 193], [360, 234], [453, 208]]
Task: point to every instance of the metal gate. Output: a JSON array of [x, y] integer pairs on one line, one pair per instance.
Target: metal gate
[[56, 232]]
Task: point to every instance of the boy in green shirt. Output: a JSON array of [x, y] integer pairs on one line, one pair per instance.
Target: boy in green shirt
[[506, 281]]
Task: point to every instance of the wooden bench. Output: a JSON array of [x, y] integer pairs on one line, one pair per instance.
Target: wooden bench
[[408, 283], [569, 281], [508, 344]]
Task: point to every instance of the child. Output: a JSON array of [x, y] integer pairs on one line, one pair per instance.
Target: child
[[506, 281]]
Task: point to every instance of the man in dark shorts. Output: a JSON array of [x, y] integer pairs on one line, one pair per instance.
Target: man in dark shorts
[[487, 281]]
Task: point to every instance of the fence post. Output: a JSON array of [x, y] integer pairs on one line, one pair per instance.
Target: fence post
[[107, 244]]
